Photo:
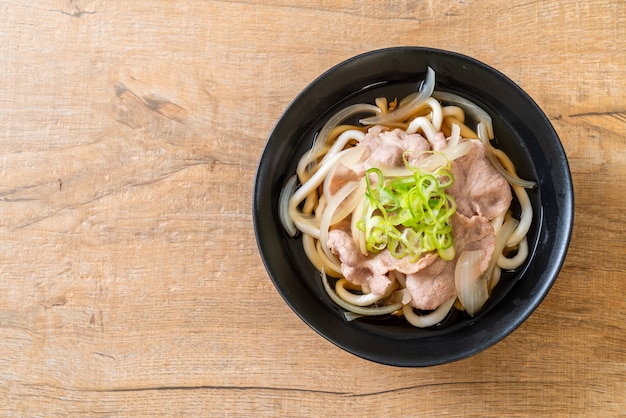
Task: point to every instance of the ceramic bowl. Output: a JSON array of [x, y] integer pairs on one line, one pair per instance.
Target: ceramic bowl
[[522, 130]]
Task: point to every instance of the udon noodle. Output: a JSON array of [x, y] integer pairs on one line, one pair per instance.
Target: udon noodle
[[311, 205]]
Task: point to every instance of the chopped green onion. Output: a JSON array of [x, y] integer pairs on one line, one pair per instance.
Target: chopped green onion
[[409, 215]]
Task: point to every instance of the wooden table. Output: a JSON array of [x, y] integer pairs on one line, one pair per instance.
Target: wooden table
[[130, 281]]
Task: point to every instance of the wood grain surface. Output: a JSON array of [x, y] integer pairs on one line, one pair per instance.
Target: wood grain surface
[[130, 282]]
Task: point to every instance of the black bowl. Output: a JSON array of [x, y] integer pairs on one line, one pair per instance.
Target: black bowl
[[522, 131]]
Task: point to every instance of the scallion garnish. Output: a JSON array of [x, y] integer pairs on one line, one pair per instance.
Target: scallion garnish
[[409, 215]]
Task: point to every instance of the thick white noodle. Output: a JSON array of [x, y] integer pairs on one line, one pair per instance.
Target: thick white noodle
[[433, 318], [382, 310], [425, 125], [308, 243], [306, 223], [341, 142], [437, 113], [455, 135], [508, 227], [454, 111], [516, 261], [320, 175], [471, 109], [365, 299], [331, 266], [526, 216]]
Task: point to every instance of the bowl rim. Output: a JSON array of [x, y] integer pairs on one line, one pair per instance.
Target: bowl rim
[[411, 352]]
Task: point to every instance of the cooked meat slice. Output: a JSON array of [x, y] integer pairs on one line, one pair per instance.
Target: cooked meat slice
[[370, 270], [478, 188], [433, 285], [385, 148]]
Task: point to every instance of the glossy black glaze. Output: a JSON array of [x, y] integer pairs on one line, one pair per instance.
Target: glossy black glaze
[[522, 130]]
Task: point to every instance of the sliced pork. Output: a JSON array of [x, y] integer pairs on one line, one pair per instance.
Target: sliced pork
[[371, 270], [385, 148], [433, 285], [478, 188]]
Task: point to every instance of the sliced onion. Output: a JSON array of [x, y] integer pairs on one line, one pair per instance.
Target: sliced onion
[[350, 158], [526, 207], [471, 287], [283, 205], [407, 107], [511, 178], [441, 158], [357, 234], [308, 163], [339, 117], [431, 319], [495, 277], [498, 221], [351, 316], [319, 176], [452, 152], [350, 203], [341, 142]]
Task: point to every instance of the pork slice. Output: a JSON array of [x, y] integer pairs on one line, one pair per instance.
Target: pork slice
[[407, 142], [404, 264], [371, 270], [386, 148], [356, 267], [440, 142], [478, 188], [433, 285]]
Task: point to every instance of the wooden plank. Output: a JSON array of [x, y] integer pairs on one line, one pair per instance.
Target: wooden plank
[[130, 282]]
